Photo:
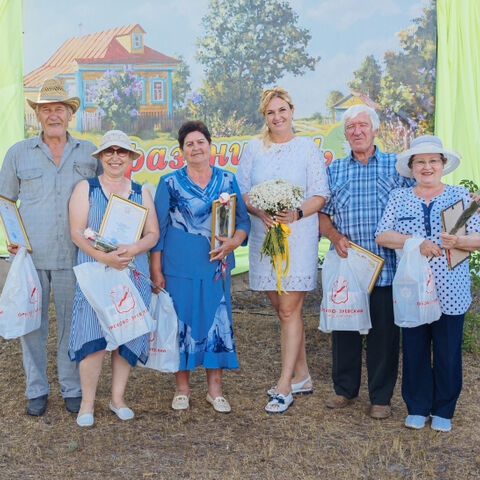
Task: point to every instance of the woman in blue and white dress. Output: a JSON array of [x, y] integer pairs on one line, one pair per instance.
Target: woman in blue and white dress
[[86, 209], [196, 276]]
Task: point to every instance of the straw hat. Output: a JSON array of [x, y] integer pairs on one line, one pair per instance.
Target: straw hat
[[118, 139], [426, 144], [53, 91]]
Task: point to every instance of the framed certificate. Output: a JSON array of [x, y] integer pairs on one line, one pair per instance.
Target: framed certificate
[[367, 264], [449, 218], [223, 219], [12, 224], [123, 221]]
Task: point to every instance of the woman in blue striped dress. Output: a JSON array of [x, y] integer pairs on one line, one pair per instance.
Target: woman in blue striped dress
[[87, 206]]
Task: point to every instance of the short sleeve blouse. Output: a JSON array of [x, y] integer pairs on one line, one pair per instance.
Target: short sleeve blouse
[[408, 214]]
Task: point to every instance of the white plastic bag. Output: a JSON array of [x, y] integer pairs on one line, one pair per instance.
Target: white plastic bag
[[120, 309], [164, 349], [346, 301], [415, 300], [21, 299]]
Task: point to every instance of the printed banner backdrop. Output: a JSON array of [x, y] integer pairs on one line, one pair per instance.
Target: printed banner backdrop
[[11, 81], [457, 114], [11, 75]]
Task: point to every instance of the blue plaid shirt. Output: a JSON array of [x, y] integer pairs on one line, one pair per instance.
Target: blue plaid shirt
[[359, 197]]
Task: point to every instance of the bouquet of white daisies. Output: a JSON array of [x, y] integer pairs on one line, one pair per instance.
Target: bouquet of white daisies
[[274, 196]]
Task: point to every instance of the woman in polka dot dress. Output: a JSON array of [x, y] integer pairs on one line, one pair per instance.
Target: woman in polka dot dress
[[431, 384]]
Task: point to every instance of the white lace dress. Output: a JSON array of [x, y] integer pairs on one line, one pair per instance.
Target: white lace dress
[[300, 162]]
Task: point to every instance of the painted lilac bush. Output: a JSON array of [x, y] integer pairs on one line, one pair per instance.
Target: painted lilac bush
[[117, 94]]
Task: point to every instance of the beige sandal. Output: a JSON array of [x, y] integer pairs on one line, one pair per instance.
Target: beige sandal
[[220, 404], [180, 401]]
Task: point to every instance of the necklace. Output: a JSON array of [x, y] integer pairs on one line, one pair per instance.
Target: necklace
[[278, 146]]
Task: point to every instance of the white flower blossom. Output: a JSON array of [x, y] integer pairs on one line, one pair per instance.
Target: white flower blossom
[[224, 198], [276, 195]]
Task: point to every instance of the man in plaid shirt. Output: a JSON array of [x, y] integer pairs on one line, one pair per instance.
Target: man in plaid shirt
[[360, 185]]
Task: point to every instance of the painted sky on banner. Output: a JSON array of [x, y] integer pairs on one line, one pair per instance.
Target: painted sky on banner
[[343, 33]]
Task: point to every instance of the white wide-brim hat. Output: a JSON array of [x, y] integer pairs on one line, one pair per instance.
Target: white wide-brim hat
[[115, 138], [426, 144]]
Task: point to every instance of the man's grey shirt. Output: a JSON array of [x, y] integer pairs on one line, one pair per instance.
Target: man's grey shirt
[[29, 174]]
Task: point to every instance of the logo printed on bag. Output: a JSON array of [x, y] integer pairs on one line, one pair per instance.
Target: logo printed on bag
[[122, 298], [340, 291], [34, 297], [405, 292], [430, 283]]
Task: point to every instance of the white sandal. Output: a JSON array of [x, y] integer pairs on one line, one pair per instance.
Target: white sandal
[[279, 403], [297, 388]]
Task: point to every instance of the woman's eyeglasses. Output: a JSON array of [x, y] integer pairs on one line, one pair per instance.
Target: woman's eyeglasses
[[434, 162], [121, 152]]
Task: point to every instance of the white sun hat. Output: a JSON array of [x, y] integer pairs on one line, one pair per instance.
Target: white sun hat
[[115, 138], [426, 144]]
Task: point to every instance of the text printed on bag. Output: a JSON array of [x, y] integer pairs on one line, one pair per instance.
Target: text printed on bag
[[343, 310], [128, 321]]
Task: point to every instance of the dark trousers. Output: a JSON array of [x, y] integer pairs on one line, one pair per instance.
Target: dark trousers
[[432, 384], [382, 353]]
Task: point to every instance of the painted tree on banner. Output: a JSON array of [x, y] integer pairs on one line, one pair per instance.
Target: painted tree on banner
[[408, 86], [180, 84], [247, 45], [367, 79]]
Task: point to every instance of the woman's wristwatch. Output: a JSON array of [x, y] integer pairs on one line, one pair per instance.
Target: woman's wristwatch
[[299, 213]]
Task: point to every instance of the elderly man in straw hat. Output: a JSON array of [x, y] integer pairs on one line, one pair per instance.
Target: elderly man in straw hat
[[41, 172]]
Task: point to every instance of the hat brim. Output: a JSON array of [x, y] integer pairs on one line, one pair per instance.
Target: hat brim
[[73, 102], [453, 159], [97, 153]]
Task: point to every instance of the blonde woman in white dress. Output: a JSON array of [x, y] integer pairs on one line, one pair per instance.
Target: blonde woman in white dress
[[279, 153]]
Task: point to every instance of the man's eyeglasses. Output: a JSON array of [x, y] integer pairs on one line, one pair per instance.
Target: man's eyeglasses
[[121, 152]]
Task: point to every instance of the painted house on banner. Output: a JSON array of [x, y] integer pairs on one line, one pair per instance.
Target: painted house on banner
[[353, 98], [80, 61]]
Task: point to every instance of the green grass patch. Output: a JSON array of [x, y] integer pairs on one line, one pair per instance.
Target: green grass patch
[[471, 333]]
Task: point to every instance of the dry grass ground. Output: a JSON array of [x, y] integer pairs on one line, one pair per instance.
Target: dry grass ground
[[307, 442]]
